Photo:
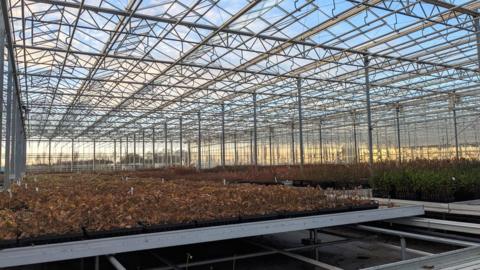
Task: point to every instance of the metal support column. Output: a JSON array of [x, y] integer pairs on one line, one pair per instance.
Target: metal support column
[[403, 248], [255, 143], [97, 263], [454, 112], [235, 150], [73, 155], [114, 154], [143, 149], [181, 141], [8, 124], [21, 142], [14, 146], [165, 145], [172, 161], [300, 124], [270, 150], [399, 146], [94, 150], [209, 157], [355, 144], [369, 112], [49, 154], [251, 147], [134, 151], [223, 137], [2, 71], [293, 143], [153, 147], [476, 22], [199, 143], [127, 157], [189, 154], [120, 151], [320, 141]]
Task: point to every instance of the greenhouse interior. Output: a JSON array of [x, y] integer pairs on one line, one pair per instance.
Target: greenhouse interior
[[246, 134]]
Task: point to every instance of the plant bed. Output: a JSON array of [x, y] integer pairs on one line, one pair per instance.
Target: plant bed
[[54, 208], [327, 175]]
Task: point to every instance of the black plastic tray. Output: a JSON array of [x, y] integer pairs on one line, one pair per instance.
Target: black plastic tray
[[141, 228]]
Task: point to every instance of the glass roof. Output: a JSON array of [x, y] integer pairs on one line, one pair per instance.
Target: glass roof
[[110, 68]]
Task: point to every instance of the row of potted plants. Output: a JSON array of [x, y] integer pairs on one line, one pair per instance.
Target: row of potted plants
[[428, 180]]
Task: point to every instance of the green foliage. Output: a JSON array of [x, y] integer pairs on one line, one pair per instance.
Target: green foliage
[[440, 180]]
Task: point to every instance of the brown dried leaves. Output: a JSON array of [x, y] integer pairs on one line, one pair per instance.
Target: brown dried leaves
[[57, 205]]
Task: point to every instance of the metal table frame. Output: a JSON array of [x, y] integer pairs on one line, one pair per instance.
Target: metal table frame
[[96, 247]]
